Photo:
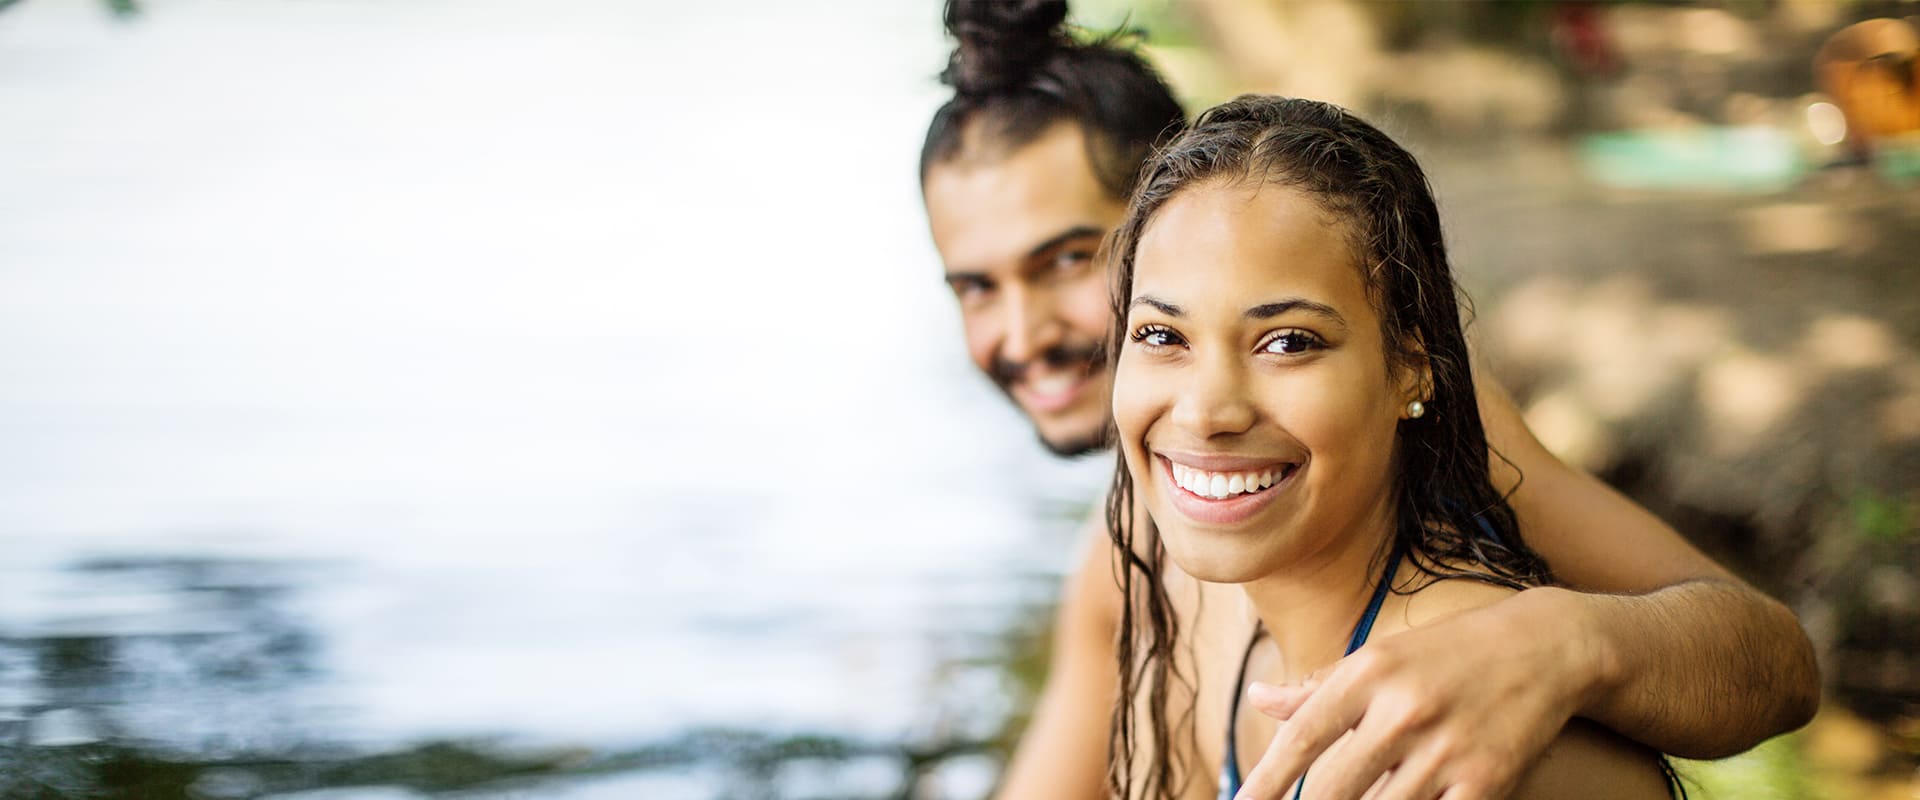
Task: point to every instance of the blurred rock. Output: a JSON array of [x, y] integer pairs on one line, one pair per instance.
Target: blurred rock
[[1793, 228], [1570, 430], [1893, 588], [1849, 342], [1899, 419], [1745, 395]]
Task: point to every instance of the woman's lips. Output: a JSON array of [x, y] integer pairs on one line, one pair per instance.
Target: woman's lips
[[1223, 496]]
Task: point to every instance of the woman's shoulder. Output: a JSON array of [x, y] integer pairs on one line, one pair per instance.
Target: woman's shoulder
[[1430, 591], [1589, 761]]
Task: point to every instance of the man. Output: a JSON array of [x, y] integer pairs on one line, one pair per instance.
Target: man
[[1023, 173]]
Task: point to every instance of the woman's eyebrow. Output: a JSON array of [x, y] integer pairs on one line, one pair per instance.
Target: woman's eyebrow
[[1278, 307], [1165, 307]]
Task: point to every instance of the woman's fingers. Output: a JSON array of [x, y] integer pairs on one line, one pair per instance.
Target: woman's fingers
[[1279, 702]]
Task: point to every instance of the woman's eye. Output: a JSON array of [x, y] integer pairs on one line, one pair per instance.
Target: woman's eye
[[1157, 336], [1291, 343]]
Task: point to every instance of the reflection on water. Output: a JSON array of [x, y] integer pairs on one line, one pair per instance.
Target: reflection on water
[[143, 659], [191, 652], [195, 677], [496, 398]]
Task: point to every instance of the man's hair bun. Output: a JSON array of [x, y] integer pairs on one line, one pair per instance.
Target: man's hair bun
[[1002, 42]]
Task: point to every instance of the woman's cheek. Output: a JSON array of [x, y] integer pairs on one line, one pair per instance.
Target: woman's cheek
[[1127, 403], [1141, 398]]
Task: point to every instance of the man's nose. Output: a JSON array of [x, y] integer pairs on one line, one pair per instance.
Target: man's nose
[[1033, 325], [1214, 399]]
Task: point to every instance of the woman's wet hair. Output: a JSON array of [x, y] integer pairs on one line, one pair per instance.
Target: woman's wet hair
[[1018, 70], [1449, 518]]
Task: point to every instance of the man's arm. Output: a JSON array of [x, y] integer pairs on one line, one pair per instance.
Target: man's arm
[[1687, 659], [1063, 753]]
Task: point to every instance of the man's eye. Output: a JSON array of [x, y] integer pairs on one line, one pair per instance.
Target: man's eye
[[969, 288], [1073, 259], [1289, 343], [1157, 336]]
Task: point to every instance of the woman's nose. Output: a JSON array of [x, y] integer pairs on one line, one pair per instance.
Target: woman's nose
[[1214, 400]]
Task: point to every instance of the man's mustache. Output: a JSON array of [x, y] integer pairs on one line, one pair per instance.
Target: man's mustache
[[1090, 356]]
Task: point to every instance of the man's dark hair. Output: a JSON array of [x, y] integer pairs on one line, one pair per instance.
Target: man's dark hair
[[1017, 71]]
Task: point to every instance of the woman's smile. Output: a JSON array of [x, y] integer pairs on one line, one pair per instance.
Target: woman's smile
[[1222, 490]]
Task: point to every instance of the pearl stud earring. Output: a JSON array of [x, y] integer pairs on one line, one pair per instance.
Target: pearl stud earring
[[1416, 409]]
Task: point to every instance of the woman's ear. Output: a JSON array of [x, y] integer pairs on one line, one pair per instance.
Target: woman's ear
[[1415, 377]]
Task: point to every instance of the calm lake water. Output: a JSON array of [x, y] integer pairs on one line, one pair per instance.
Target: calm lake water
[[544, 399]]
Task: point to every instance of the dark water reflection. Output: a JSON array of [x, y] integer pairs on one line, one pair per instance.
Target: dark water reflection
[[202, 657], [209, 682]]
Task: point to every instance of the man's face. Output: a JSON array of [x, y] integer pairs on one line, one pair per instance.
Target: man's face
[[1018, 234]]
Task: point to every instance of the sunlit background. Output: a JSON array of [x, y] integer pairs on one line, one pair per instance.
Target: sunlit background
[[559, 399]]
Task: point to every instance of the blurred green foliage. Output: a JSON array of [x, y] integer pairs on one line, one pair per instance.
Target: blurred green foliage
[[1776, 770], [1881, 518], [1162, 23]]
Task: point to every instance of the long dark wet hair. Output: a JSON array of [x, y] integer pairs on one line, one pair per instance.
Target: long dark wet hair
[[1449, 519], [1018, 70]]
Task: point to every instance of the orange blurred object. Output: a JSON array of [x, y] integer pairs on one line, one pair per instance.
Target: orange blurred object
[[1872, 71]]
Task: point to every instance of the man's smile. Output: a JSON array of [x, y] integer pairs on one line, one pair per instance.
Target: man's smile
[[1049, 388]]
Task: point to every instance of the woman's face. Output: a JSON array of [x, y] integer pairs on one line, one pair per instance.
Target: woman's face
[[1254, 404]]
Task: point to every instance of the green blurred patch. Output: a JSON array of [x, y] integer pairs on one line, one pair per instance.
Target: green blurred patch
[[1160, 22], [1776, 770], [1879, 517], [1739, 159]]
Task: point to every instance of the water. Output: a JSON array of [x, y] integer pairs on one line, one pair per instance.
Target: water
[[552, 395]]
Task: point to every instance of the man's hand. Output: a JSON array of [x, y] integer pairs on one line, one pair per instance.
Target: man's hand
[[1460, 708]]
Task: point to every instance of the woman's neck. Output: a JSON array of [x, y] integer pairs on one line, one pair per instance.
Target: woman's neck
[[1309, 609]]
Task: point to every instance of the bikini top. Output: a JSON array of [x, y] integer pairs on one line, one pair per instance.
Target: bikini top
[[1230, 766]]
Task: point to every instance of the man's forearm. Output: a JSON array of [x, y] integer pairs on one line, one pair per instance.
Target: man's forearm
[[1701, 669]]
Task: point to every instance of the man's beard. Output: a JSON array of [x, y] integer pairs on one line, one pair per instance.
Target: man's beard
[[1074, 448], [1090, 358]]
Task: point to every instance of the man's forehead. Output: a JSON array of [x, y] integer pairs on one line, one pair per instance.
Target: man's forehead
[[987, 214]]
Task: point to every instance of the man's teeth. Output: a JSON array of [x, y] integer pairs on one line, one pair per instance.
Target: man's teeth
[[1218, 485], [1052, 384]]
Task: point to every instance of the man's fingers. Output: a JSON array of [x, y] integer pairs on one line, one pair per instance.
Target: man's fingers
[[1319, 721], [1461, 792], [1279, 702], [1351, 767], [1416, 778]]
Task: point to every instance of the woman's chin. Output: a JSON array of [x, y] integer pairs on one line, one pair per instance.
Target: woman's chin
[[1214, 562]]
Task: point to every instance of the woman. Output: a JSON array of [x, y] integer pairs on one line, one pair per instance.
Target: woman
[[1295, 412]]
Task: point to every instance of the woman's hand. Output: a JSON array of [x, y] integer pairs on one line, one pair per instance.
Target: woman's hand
[[1458, 708]]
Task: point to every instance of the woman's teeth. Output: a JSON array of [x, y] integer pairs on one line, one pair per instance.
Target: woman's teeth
[[1221, 485]]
